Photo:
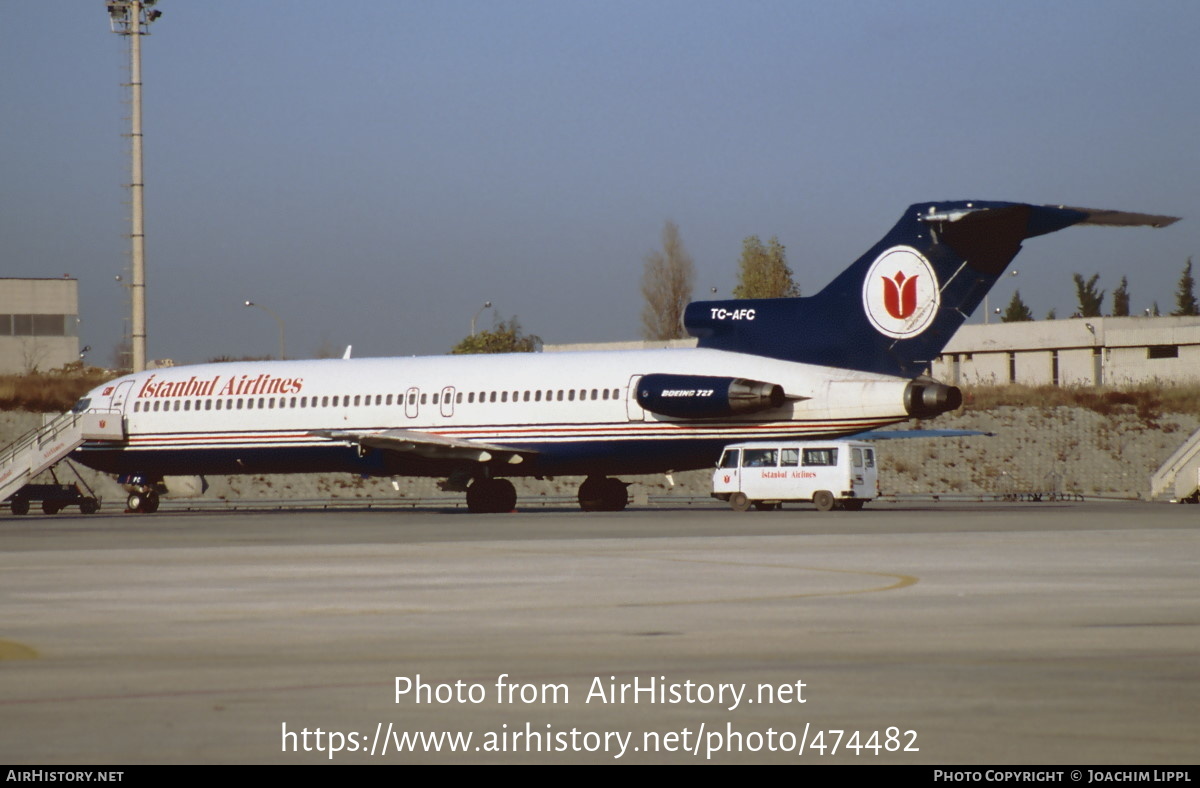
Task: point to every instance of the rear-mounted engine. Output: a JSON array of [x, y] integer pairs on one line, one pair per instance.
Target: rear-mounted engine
[[926, 398], [706, 397]]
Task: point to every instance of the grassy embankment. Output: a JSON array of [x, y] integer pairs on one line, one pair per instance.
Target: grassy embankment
[[49, 392], [1148, 401]]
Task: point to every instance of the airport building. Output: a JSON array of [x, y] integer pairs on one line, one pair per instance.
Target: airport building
[[39, 324], [1081, 351], [1091, 351]]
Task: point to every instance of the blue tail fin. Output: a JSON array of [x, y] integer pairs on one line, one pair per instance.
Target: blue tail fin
[[897, 306]]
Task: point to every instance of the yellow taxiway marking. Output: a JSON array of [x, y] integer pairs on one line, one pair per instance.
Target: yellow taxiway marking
[[10, 650]]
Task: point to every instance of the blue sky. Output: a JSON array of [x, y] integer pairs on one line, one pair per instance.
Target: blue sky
[[374, 171]]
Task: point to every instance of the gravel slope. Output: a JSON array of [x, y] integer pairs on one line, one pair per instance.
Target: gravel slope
[[1070, 450]]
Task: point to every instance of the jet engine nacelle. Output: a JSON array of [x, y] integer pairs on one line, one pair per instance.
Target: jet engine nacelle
[[925, 398], [705, 397]]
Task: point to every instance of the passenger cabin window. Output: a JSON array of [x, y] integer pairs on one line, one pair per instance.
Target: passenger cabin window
[[820, 456]]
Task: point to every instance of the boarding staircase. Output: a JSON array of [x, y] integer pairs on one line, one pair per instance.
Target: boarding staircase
[[49, 444], [1179, 477]]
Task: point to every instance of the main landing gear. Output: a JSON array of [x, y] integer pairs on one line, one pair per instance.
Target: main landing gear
[[603, 494], [142, 502], [491, 496], [496, 496]]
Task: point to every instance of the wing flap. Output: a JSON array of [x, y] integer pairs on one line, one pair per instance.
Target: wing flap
[[429, 445]]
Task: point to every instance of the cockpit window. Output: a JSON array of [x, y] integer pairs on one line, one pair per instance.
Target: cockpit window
[[82, 405]]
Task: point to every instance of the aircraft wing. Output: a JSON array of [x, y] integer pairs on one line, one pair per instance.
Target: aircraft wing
[[429, 445]]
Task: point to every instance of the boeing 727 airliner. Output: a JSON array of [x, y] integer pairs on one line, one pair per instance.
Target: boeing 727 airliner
[[847, 360]]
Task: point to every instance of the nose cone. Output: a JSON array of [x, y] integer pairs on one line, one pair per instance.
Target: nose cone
[[926, 398]]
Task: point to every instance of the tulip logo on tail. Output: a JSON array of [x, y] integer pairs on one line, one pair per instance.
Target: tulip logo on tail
[[900, 294]]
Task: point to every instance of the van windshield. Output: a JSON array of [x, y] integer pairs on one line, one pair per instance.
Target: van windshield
[[730, 459]]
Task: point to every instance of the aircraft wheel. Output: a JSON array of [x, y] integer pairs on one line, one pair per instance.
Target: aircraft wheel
[[142, 503], [823, 500], [591, 494], [615, 495], [853, 505], [50, 507], [20, 506], [491, 496], [739, 502]]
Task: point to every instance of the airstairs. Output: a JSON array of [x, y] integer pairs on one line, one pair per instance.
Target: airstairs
[[49, 444], [1179, 477]]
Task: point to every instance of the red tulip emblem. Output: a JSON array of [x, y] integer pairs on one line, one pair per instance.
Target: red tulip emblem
[[900, 295]]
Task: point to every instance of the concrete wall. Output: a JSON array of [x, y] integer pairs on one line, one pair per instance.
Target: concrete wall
[[39, 324]]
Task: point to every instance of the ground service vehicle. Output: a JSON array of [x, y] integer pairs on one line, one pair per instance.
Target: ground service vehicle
[[831, 474]]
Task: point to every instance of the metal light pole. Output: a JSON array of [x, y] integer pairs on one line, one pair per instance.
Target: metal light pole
[[279, 320], [486, 305], [132, 18]]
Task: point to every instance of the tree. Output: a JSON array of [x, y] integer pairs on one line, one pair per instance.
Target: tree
[[667, 287], [1121, 299], [1185, 294], [506, 337], [1052, 314], [1017, 311], [763, 271], [1091, 300]]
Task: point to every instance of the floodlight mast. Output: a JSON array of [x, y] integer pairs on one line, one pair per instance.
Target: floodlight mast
[[132, 18]]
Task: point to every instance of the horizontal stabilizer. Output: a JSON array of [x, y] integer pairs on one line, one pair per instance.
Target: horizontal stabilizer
[[1121, 218]]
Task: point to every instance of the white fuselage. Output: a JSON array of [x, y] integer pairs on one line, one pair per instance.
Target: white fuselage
[[575, 413]]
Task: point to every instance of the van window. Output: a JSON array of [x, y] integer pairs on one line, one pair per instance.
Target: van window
[[789, 458], [857, 457], [730, 458], [760, 458], [869, 455], [820, 456]]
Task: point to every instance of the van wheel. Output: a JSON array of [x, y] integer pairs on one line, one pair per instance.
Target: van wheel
[[823, 500], [739, 502]]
